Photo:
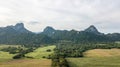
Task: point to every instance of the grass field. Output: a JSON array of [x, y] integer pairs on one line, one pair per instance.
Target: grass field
[[5, 56], [102, 53], [7, 61], [97, 58], [26, 63], [40, 52]]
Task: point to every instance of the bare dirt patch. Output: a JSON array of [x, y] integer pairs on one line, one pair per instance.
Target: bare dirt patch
[[27, 63]]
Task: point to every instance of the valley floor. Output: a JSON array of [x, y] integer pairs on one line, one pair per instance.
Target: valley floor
[[27, 63], [7, 61], [97, 58]]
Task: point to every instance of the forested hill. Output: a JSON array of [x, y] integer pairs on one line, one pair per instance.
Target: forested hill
[[18, 34], [91, 34]]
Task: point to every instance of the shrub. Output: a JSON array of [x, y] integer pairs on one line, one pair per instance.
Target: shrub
[[48, 50], [18, 56]]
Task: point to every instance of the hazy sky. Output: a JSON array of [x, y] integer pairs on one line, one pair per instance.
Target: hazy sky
[[62, 14]]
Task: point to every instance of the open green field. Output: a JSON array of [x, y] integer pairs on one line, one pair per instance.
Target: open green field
[[7, 61], [97, 58], [5, 56], [40, 52]]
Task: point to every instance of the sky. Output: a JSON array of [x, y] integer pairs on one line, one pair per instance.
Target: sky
[[62, 14]]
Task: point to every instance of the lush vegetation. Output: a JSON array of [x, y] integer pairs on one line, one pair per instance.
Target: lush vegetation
[[5, 56], [76, 50], [25, 39], [18, 50], [58, 61], [63, 50], [41, 52], [67, 43], [12, 50], [67, 49], [24, 58], [21, 36]]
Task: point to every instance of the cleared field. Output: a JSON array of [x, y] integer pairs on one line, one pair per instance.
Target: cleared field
[[97, 58], [40, 52], [5, 56], [27, 63], [102, 53]]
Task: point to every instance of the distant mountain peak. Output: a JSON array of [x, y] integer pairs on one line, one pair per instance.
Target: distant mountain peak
[[20, 27], [49, 31], [49, 28], [92, 29], [20, 24]]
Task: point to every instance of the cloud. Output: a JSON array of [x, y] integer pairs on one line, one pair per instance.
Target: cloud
[[62, 14], [33, 22]]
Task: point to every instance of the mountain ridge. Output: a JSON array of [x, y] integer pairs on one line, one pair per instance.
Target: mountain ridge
[[18, 34], [18, 28], [92, 29]]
